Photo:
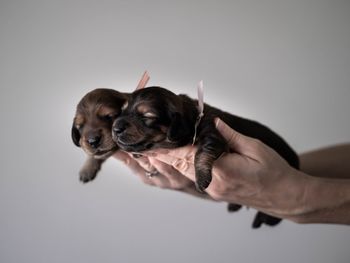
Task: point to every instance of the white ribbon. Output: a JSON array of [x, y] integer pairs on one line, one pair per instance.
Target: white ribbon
[[200, 109]]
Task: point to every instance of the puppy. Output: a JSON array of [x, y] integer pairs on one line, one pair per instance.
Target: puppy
[[157, 118], [92, 128]]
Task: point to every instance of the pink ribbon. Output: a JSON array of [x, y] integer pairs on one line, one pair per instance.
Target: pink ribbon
[[143, 81]]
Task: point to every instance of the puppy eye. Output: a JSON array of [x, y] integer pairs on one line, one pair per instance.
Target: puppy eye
[[108, 117], [149, 121], [149, 118]]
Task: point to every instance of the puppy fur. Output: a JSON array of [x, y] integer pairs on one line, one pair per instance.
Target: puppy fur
[[92, 126], [157, 118]]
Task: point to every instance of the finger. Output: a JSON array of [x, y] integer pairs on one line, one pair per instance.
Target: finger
[[122, 156], [235, 140], [157, 179], [160, 180], [144, 163], [184, 166], [238, 142], [176, 179], [133, 165], [128, 161], [167, 170], [186, 152]]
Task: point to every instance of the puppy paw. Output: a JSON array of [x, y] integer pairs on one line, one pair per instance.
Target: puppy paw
[[90, 169], [87, 175], [203, 181], [262, 218], [233, 207]]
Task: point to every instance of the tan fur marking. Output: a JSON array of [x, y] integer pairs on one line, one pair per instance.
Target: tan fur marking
[[125, 105], [79, 120], [143, 108], [103, 111]]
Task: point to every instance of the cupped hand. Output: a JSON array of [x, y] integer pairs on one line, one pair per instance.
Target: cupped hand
[[153, 172], [252, 174]]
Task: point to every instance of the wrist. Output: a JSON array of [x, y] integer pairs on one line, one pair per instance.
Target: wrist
[[303, 188], [292, 202]]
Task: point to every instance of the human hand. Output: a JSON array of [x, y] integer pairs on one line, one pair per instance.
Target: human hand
[[253, 174], [156, 173]]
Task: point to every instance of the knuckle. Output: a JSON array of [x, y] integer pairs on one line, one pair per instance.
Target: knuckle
[[148, 167], [181, 165], [166, 170], [215, 196], [126, 161], [219, 192], [232, 137], [176, 185], [142, 161], [162, 186], [256, 143]]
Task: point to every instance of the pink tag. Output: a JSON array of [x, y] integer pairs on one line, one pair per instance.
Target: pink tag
[[143, 81]]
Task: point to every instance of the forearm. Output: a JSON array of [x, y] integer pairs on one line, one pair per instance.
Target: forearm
[[324, 201], [329, 162]]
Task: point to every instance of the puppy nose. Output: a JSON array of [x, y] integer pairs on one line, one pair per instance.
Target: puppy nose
[[94, 141], [120, 126]]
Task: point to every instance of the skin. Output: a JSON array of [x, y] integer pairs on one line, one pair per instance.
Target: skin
[[332, 162], [255, 175]]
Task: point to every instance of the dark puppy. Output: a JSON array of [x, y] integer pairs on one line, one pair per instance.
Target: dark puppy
[[157, 118], [92, 128]]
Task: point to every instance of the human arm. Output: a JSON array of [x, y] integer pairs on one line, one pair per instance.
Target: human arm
[[330, 162], [255, 175]]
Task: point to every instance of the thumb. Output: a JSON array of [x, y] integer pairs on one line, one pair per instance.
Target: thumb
[[236, 141]]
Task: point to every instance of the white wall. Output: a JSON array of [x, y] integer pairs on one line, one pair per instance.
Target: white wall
[[284, 63]]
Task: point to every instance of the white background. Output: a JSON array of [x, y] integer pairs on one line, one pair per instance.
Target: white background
[[283, 63]]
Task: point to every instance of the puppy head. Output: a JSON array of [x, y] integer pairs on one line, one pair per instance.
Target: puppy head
[[93, 121], [154, 118]]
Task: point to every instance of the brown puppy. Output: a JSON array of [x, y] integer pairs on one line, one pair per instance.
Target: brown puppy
[[92, 127], [157, 118]]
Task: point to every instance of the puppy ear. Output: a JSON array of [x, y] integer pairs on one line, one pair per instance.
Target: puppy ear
[[75, 135], [178, 130]]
